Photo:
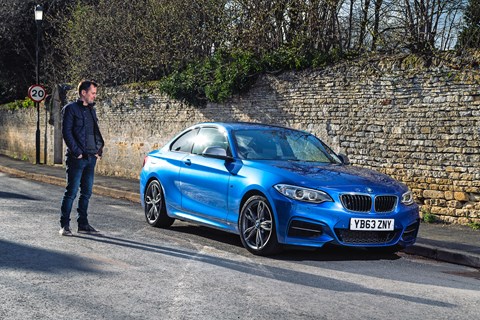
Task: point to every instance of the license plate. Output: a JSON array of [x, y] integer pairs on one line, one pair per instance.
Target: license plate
[[371, 224]]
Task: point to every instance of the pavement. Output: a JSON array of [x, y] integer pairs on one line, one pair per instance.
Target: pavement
[[451, 243]]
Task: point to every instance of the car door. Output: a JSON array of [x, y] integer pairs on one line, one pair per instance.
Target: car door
[[171, 165], [204, 181]]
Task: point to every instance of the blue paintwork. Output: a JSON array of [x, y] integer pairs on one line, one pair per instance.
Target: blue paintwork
[[210, 191]]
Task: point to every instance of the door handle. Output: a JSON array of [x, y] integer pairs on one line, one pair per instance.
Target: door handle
[[187, 162]]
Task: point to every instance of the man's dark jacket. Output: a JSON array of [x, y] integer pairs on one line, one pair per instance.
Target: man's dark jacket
[[74, 130]]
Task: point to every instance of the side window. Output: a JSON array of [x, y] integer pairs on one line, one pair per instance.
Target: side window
[[210, 137], [184, 142]]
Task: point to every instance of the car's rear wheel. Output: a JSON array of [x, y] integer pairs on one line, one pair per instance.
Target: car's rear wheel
[[257, 227], [155, 209]]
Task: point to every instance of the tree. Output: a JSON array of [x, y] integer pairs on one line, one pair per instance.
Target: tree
[[423, 20], [470, 35], [17, 51], [123, 41], [17, 45], [376, 23]]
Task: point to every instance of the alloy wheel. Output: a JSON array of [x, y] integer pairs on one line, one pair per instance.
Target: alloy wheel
[[257, 227], [155, 211]]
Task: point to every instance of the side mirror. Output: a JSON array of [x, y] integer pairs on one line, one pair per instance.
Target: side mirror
[[344, 158], [216, 152]]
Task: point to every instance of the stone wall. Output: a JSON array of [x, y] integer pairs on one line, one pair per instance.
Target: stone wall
[[17, 133], [421, 126]]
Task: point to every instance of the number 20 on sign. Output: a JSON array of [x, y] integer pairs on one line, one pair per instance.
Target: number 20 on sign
[[36, 92]]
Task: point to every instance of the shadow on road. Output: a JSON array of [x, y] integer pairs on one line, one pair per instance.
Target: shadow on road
[[263, 270], [11, 195], [334, 253], [17, 256], [209, 233], [326, 253]]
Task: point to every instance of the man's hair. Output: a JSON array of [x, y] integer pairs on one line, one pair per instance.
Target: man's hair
[[85, 85]]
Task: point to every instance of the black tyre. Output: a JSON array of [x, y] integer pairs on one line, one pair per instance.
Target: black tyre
[[155, 210], [257, 227]]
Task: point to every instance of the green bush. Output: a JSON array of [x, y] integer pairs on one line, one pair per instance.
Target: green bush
[[428, 217], [474, 225], [231, 73], [217, 78], [214, 79], [20, 104], [185, 85]]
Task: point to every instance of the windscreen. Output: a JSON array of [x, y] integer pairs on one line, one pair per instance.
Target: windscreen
[[282, 144]]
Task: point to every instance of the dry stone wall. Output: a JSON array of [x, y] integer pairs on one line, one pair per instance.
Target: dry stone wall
[[17, 133], [421, 126]]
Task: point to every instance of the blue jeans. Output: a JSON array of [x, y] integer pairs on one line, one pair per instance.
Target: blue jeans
[[80, 173]]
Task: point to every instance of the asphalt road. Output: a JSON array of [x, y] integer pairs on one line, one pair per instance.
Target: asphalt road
[[134, 271]]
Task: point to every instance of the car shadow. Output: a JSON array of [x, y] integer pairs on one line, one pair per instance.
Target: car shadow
[[289, 253], [266, 271], [209, 233], [334, 253]]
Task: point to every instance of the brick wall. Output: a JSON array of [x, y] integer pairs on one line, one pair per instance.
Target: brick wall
[[420, 126]]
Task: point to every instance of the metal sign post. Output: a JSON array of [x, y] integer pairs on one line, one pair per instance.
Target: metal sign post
[[37, 93]]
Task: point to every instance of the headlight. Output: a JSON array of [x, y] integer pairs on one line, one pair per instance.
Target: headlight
[[407, 198], [302, 194]]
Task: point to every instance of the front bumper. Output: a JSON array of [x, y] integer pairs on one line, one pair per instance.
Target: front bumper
[[314, 225]]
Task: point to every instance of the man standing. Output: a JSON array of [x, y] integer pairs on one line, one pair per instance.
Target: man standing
[[84, 146]]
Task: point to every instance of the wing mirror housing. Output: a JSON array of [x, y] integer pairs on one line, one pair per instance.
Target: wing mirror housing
[[344, 159], [217, 153]]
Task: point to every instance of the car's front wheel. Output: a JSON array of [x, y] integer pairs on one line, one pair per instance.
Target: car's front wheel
[[257, 227], [155, 209]]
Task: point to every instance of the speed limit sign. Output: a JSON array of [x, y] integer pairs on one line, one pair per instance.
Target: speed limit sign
[[36, 92]]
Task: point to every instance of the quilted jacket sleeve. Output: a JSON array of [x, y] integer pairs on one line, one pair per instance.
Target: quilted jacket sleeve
[[68, 130]]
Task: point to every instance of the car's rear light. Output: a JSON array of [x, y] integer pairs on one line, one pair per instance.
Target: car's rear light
[[144, 161]]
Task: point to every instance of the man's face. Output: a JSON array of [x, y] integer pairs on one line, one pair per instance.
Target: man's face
[[88, 96]]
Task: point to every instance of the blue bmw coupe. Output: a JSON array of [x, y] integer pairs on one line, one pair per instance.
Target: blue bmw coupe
[[274, 186]]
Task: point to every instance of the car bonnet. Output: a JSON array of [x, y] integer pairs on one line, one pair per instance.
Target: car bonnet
[[340, 177]]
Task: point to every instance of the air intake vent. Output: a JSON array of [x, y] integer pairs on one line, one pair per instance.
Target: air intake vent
[[411, 231], [365, 237], [385, 203], [363, 203], [356, 202], [301, 229]]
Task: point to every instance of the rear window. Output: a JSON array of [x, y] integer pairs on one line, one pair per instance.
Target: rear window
[[184, 143]]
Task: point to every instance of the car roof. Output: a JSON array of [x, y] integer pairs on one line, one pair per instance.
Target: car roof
[[245, 125]]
